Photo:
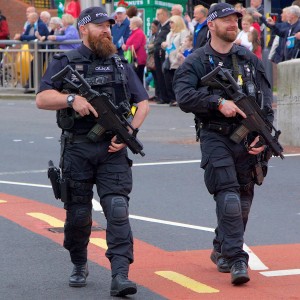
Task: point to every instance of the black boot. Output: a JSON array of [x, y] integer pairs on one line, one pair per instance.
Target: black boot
[[122, 286], [221, 262], [79, 275], [239, 273]]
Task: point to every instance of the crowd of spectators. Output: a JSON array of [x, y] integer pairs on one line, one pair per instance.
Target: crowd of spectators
[[173, 36], [252, 27]]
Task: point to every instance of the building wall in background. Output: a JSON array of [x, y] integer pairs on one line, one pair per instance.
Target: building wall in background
[[15, 13]]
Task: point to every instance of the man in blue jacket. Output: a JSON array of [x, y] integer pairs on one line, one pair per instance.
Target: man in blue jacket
[[34, 25], [120, 31]]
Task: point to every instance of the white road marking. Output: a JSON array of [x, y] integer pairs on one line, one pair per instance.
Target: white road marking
[[26, 184], [23, 172], [167, 163], [281, 273], [254, 262]]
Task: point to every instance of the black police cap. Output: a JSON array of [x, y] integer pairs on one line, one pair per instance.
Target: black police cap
[[96, 15], [221, 10]]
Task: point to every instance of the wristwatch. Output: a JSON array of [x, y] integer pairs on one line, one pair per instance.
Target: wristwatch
[[70, 100]]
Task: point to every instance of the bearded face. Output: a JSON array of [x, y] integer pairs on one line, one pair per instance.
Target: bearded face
[[101, 44], [226, 33]]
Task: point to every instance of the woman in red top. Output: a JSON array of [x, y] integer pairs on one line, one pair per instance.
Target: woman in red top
[[137, 41]]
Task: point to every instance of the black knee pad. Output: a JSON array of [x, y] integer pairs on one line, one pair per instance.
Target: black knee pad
[[82, 217], [232, 205], [246, 207], [119, 208]]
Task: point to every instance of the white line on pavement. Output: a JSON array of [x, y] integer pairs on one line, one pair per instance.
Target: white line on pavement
[[26, 184], [281, 273], [254, 262]]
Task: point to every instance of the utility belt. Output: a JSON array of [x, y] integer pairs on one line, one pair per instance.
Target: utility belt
[[222, 128], [72, 138]]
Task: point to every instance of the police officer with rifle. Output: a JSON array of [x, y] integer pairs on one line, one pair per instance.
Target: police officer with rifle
[[93, 151], [235, 136]]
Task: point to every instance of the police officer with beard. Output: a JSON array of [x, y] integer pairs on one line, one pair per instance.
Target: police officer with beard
[[228, 166], [104, 163]]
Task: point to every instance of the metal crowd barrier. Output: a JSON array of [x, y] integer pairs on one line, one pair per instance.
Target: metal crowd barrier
[[22, 64]]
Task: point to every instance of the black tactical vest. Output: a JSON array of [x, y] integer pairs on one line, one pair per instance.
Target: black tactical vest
[[241, 68], [103, 75]]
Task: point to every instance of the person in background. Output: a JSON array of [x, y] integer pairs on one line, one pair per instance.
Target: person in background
[[73, 8], [150, 49], [258, 6], [162, 15], [132, 11], [120, 31], [252, 12], [186, 49], [4, 31], [242, 37], [29, 10], [56, 28], [241, 9], [172, 45], [36, 27], [45, 16], [291, 34], [177, 10], [70, 33], [137, 43], [279, 42], [201, 33], [253, 38]]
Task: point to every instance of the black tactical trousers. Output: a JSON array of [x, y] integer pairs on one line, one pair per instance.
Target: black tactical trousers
[[111, 172], [228, 176]]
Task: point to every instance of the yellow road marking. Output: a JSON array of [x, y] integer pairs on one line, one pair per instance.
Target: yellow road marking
[[48, 219], [187, 282], [3, 201], [99, 242]]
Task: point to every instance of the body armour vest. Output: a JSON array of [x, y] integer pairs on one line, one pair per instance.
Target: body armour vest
[[103, 75], [243, 71]]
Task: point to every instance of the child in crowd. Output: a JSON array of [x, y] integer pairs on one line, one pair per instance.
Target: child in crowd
[[253, 38], [185, 49], [242, 37]]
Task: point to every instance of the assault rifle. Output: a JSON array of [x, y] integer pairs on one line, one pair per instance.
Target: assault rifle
[[255, 121], [110, 117]]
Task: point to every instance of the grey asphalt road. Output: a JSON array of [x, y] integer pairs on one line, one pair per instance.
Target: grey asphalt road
[[168, 189]]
